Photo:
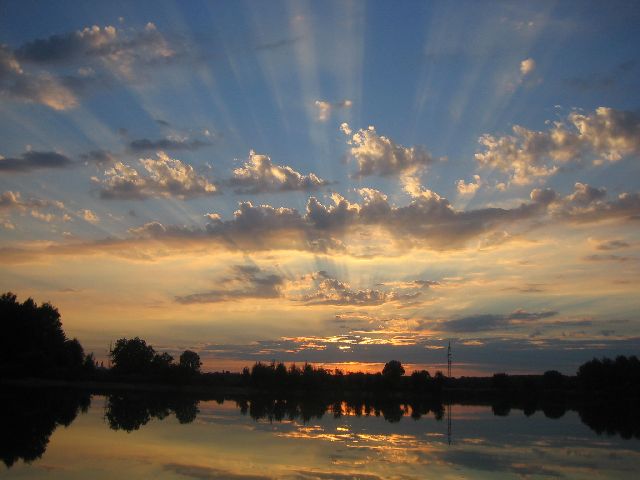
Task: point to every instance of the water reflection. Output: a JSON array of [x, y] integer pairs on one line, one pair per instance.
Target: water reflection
[[130, 411], [29, 418]]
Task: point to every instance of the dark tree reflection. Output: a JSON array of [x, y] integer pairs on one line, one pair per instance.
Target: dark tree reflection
[[29, 417], [129, 411]]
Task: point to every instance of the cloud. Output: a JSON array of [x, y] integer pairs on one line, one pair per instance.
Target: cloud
[[527, 66], [169, 143], [612, 245], [164, 177], [588, 204], [38, 208], [468, 189], [13, 200], [604, 135], [100, 158], [260, 175], [602, 81], [379, 155], [121, 51], [487, 322], [97, 54], [330, 291], [325, 108], [41, 88], [89, 216], [247, 281], [428, 221], [609, 258], [34, 160]]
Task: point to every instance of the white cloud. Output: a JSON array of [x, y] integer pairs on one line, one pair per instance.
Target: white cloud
[[89, 216], [325, 108], [527, 66], [379, 155], [259, 174], [468, 189], [604, 135], [164, 177]]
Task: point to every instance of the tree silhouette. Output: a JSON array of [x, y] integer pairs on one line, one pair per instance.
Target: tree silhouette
[[190, 361], [133, 356], [33, 342]]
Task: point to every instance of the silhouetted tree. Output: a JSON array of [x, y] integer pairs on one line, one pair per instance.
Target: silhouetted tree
[[392, 373], [132, 356], [33, 341], [190, 361]]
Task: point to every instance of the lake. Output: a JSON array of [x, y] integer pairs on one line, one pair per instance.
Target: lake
[[49, 434]]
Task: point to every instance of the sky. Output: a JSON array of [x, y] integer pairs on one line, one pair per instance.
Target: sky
[[342, 183]]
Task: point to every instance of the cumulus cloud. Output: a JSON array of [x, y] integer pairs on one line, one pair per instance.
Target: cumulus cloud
[[588, 204], [40, 209], [120, 50], [164, 177], [325, 108], [13, 200], [34, 160], [429, 221], [246, 281], [379, 155], [604, 135], [487, 322], [43, 88], [39, 70], [527, 66], [259, 175], [331, 291], [468, 189], [89, 215]]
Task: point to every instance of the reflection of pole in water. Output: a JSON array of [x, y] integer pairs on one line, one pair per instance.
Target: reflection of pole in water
[[449, 434]]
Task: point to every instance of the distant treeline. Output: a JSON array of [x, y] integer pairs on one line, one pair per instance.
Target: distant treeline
[[34, 344]]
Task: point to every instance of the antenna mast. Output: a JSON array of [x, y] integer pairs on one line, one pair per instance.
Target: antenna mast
[[449, 360]]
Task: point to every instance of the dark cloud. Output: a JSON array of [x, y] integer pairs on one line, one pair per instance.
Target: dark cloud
[[612, 245], [488, 322], [144, 144], [602, 81], [477, 460], [609, 258], [100, 54], [34, 160], [101, 158], [317, 475], [489, 354], [247, 281], [429, 221]]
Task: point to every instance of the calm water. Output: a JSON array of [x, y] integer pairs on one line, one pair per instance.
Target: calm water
[[76, 436]]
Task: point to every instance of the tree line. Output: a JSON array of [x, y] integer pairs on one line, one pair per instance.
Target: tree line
[[34, 344]]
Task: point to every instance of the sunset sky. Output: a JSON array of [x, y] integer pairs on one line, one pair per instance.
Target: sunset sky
[[342, 183]]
